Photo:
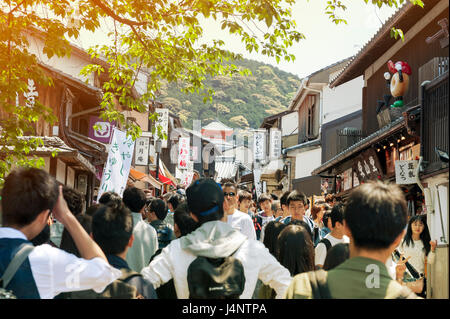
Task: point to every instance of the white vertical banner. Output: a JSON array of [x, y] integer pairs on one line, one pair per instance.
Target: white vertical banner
[[257, 181], [163, 121], [141, 153], [259, 145], [183, 152], [117, 167], [275, 143]]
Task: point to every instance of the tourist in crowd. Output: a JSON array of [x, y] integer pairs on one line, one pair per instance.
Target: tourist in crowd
[[235, 218], [418, 246], [145, 242], [336, 256], [29, 195], [375, 221], [214, 239], [336, 236]]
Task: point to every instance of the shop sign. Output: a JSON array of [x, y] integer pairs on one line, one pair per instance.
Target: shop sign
[[259, 145], [367, 166], [405, 172], [163, 121], [183, 152], [141, 152]]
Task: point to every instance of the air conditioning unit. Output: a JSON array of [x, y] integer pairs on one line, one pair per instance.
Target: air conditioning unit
[[433, 69]]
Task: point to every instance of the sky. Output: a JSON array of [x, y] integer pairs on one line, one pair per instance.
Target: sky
[[325, 43]]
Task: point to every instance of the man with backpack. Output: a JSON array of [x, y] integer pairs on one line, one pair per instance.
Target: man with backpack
[[336, 224], [375, 219], [29, 196], [215, 260], [157, 212], [112, 230]]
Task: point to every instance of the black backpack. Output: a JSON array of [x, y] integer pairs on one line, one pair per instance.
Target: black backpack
[[326, 242], [215, 278], [118, 289]]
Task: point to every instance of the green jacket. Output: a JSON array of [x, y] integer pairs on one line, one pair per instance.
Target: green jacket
[[356, 278]]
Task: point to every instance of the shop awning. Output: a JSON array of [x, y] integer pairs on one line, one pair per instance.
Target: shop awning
[[163, 179], [142, 177]]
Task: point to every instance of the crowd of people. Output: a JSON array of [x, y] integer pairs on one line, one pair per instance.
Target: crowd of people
[[210, 240]]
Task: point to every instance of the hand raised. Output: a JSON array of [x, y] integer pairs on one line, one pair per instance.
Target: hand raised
[[61, 210]]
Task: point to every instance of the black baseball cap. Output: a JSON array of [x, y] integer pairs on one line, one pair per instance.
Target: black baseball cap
[[204, 197]]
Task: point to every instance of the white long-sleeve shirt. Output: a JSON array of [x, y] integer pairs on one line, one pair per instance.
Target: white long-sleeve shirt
[[173, 262], [242, 222], [145, 244], [56, 271]]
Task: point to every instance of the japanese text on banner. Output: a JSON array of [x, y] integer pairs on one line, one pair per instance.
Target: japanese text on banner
[[117, 167]]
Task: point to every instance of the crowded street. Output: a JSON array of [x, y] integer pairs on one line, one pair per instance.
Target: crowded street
[[143, 155]]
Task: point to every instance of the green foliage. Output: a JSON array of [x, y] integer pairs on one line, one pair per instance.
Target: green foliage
[[162, 37], [266, 91]]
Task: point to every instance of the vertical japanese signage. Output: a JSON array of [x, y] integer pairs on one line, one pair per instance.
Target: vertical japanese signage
[[117, 167], [183, 152], [275, 143], [259, 145], [141, 154], [405, 172], [257, 181], [163, 121]]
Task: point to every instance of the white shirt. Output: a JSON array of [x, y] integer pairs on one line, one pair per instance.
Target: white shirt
[[321, 249], [417, 254], [56, 271], [258, 263], [145, 244], [242, 222]]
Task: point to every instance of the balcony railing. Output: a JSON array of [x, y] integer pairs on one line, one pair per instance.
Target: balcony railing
[[434, 116], [347, 137]]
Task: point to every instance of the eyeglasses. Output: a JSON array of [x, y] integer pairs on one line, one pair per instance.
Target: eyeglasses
[[228, 194]]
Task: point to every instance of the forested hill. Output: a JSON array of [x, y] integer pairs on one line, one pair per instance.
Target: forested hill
[[240, 101]]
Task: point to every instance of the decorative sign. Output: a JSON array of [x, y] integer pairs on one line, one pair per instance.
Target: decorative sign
[[163, 121], [141, 152], [275, 143], [257, 181], [31, 94], [347, 179], [405, 172], [103, 135], [367, 166], [355, 179], [259, 145], [183, 152], [117, 167]]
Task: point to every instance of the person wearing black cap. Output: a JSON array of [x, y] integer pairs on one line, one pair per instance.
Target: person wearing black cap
[[214, 238]]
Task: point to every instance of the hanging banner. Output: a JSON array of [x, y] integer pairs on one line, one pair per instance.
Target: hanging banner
[[259, 145], [117, 167], [275, 143], [183, 152], [163, 121], [257, 182], [405, 172], [142, 148]]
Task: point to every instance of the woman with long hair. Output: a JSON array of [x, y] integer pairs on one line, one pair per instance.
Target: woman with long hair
[[295, 249], [418, 246]]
